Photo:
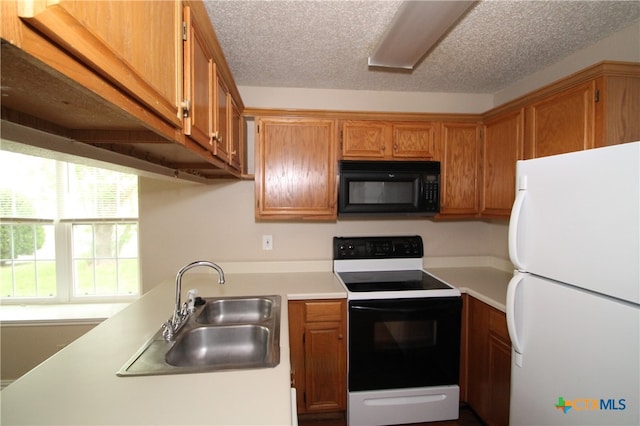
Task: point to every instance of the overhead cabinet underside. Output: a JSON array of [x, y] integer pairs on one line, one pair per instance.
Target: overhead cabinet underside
[[66, 73]]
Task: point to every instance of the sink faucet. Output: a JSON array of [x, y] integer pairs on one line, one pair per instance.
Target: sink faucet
[[181, 313]]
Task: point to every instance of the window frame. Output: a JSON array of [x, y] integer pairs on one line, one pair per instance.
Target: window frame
[[63, 236]]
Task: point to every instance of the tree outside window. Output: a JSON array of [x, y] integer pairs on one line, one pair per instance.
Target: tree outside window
[[69, 232]]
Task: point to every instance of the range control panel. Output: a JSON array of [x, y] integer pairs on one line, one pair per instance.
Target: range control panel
[[377, 247]]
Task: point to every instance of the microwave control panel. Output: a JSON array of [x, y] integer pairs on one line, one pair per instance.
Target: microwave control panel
[[432, 192]]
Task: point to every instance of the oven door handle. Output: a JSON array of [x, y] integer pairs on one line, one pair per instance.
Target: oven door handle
[[390, 310]]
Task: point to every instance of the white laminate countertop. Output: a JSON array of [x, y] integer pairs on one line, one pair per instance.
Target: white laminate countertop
[[78, 385], [484, 283]]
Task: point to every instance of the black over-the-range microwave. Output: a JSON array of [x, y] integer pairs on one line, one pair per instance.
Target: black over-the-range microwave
[[389, 188]]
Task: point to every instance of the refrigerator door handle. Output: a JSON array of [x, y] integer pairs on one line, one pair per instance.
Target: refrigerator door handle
[[511, 316], [514, 222]]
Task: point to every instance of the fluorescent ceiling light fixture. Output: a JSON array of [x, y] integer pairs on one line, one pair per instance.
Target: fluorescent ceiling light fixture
[[415, 29]]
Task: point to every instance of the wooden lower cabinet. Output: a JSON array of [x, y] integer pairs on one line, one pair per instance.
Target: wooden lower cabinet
[[318, 350], [488, 362]]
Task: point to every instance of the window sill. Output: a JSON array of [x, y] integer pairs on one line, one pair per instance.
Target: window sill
[[93, 313]]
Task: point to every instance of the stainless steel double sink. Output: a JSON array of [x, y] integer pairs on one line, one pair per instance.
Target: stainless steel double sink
[[222, 334]]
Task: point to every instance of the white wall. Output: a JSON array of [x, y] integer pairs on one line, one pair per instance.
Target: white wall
[[182, 222], [365, 100]]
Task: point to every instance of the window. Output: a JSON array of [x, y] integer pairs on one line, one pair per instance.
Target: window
[[69, 232]]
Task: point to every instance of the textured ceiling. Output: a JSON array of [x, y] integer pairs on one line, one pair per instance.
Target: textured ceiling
[[325, 44]]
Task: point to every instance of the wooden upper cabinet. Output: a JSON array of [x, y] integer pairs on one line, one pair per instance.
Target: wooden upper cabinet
[[459, 163], [617, 109], [561, 123], [295, 174], [365, 139], [115, 39], [236, 137], [500, 149], [198, 83], [209, 118], [384, 140], [414, 140], [221, 117]]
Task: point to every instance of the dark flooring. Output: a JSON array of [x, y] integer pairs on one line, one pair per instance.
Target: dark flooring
[[467, 418]]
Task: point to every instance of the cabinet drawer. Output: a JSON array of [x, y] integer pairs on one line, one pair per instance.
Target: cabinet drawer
[[323, 311], [498, 325]]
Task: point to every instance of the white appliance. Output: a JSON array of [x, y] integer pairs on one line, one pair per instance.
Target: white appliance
[[573, 305]]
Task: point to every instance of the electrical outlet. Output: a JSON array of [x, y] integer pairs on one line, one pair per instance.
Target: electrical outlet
[[267, 242]]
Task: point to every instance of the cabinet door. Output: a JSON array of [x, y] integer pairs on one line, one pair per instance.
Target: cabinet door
[[295, 169], [459, 169], [317, 342], [325, 353], [489, 363], [617, 110], [296, 352], [478, 357], [500, 381], [414, 141], [115, 38], [198, 84], [365, 139], [221, 118], [501, 148], [236, 137], [562, 123]]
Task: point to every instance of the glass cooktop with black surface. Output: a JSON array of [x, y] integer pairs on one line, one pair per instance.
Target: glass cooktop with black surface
[[368, 281]]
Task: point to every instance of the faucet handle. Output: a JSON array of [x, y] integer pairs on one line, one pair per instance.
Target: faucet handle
[[167, 330]]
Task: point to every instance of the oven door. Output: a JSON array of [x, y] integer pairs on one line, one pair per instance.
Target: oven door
[[404, 343]]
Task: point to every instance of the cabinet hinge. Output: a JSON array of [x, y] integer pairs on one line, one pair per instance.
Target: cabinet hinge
[[304, 397], [184, 31], [596, 96], [303, 338]]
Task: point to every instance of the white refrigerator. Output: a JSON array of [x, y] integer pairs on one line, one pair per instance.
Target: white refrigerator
[[573, 305]]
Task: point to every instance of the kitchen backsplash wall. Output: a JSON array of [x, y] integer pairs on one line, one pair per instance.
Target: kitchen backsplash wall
[[182, 222]]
